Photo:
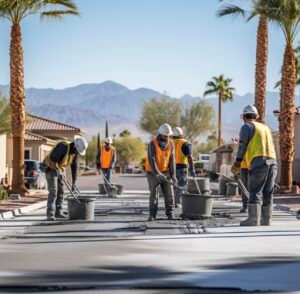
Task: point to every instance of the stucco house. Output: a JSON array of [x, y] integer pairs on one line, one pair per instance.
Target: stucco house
[[40, 136]]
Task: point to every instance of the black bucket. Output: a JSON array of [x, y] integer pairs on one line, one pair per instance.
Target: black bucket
[[85, 210], [195, 206]]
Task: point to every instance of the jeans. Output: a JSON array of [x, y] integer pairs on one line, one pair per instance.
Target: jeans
[[181, 175], [261, 184], [167, 190], [56, 192], [107, 174], [244, 178]]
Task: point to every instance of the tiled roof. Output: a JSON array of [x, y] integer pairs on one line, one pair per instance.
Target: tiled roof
[[34, 137], [37, 123]]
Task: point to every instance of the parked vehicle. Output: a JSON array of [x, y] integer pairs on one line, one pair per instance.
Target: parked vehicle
[[34, 177], [86, 170]]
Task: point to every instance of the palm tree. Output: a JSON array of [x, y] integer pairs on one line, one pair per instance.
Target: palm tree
[[15, 11], [286, 15], [221, 87], [261, 51], [5, 124]]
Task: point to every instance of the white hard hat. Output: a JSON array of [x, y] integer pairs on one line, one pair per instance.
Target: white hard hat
[[250, 109], [108, 140], [81, 145], [165, 130], [177, 132]]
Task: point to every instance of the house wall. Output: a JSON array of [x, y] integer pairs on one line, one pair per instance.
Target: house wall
[[3, 169]]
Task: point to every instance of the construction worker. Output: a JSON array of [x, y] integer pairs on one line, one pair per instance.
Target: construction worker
[[160, 164], [183, 158], [61, 155], [106, 160], [256, 148]]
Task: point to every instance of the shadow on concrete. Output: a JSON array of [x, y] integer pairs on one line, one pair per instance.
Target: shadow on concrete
[[152, 277]]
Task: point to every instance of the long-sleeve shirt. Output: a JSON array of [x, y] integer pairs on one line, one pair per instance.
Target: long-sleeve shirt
[[152, 155], [57, 155], [246, 133], [114, 158]]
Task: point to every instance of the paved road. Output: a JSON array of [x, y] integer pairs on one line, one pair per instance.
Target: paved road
[[120, 250]]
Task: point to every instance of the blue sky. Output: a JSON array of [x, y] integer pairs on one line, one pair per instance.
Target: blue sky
[[167, 45]]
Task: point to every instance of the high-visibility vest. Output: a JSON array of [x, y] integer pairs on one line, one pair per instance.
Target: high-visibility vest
[[260, 145], [162, 157], [67, 160], [180, 157], [244, 164], [106, 157]]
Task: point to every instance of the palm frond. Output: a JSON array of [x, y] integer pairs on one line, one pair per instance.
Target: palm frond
[[233, 10]]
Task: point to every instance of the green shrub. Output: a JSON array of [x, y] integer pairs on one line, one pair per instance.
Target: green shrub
[[3, 193], [198, 165]]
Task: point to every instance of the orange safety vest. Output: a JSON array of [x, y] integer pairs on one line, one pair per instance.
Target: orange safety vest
[[162, 157], [106, 157]]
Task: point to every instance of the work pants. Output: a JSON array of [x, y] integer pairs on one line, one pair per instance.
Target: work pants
[[261, 182], [244, 178], [107, 174], [56, 192], [181, 175], [167, 191]]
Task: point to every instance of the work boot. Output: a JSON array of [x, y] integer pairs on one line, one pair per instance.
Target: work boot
[[253, 219], [60, 214], [151, 218], [298, 214], [171, 216], [50, 217], [244, 210], [266, 215]]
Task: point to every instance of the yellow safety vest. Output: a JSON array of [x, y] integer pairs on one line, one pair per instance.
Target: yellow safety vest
[[106, 157], [67, 160], [162, 157], [260, 145], [180, 157]]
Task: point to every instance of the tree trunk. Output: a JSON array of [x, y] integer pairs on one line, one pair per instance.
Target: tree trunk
[[220, 120], [261, 68], [287, 117], [17, 102]]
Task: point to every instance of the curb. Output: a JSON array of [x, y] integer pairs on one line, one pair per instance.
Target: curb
[[19, 211]]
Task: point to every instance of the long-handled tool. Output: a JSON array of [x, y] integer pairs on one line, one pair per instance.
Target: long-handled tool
[[197, 186], [69, 187], [108, 183], [177, 187]]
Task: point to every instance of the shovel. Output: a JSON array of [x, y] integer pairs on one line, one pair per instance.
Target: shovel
[[179, 188], [69, 187], [197, 186]]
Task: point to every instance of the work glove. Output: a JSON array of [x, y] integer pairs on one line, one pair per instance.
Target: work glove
[[59, 173], [98, 165], [192, 172], [161, 178], [174, 180], [74, 187], [235, 169]]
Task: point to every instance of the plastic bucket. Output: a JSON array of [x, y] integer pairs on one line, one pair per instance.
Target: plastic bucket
[[85, 210], [101, 189], [203, 183], [195, 206], [232, 189]]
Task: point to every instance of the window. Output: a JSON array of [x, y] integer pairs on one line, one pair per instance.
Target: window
[[28, 153]]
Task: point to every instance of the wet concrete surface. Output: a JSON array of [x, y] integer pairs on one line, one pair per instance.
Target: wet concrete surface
[[121, 250]]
